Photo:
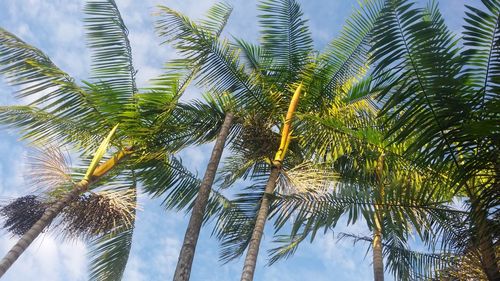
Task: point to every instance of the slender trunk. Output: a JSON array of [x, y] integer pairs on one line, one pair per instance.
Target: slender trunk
[[258, 230], [186, 256], [53, 211], [378, 259], [253, 246]]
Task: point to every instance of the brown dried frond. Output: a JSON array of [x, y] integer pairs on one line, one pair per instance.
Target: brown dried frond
[[22, 213], [96, 214], [49, 167]]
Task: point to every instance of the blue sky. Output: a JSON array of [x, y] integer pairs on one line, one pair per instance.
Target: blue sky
[[55, 26]]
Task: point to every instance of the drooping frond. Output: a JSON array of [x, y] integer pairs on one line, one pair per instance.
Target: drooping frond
[[109, 255], [40, 80], [165, 176], [39, 126], [110, 46], [322, 211], [235, 223], [407, 264], [288, 246], [238, 167]]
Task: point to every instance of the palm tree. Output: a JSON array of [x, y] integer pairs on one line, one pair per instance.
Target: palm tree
[[374, 183], [68, 113], [217, 17], [262, 78], [444, 99]]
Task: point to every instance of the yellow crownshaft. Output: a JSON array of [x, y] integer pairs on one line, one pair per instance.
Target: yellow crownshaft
[[286, 134]]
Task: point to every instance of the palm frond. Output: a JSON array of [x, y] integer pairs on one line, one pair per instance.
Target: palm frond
[[109, 255], [285, 35], [481, 39], [288, 247], [235, 223], [112, 55], [347, 56], [254, 56], [407, 264], [218, 63], [165, 176], [39, 126], [415, 50], [41, 80], [216, 18]]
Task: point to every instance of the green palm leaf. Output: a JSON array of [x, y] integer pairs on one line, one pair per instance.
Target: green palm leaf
[[112, 55], [285, 35], [41, 81], [217, 62], [109, 255]]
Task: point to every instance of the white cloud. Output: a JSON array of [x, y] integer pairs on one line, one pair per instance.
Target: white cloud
[[48, 258]]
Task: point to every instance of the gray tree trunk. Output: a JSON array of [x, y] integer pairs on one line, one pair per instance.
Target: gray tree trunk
[[378, 259], [258, 231], [186, 256]]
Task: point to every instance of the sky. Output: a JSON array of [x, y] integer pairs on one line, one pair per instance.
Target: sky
[[55, 26]]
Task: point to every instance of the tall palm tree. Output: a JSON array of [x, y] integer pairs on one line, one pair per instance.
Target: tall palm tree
[[262, 78], [373, 183], [212, 26], [77, 115], [444, 99]]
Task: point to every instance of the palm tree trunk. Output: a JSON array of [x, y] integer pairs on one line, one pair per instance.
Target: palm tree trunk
[[54, 210], [378, 259], [186, 256], [258, 231]]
